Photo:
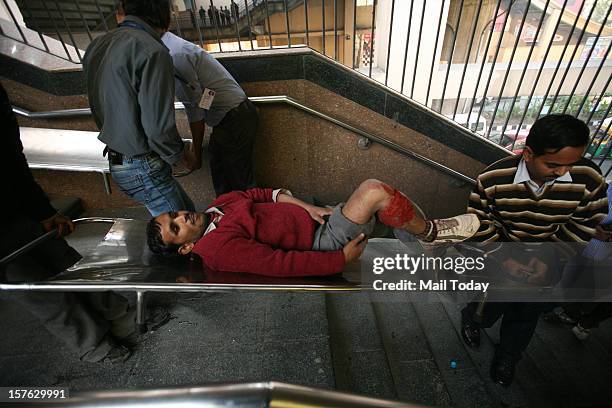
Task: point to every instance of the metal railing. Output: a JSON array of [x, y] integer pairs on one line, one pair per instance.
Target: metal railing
[[260, 394], [368, 137], [493, 66]]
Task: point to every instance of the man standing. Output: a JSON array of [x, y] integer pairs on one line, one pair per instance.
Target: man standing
[[550, 193], [213, 97], [130, 84], [202, 15], [235, 11], [98, 327], [211, 17]]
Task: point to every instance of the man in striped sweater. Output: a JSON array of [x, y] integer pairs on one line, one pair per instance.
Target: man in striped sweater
[[550, 193]]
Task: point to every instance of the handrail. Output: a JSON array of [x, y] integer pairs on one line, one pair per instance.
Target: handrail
[[48, 235], [261, 394], [289, 101]]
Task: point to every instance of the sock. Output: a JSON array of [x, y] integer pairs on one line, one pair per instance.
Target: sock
[[398, 212], [430, 233]]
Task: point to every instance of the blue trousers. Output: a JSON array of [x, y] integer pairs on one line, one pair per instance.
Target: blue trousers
[[148, 179]]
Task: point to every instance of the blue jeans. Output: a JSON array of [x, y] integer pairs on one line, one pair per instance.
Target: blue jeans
[[148, 180]]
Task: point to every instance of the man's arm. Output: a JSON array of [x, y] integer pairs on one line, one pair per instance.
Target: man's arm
[[24, 189], [262, 259], [317, 213], [197, 139], [479, 204], [589, 214], [156, 100], [189, 91]]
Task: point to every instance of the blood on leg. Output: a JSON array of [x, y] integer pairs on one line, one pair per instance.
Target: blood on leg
[[399, 211]]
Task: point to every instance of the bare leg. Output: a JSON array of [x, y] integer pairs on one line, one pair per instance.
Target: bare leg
[[395, 210], [373, 196]]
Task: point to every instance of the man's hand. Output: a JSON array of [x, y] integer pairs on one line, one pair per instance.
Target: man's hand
[[540, 272], [354, 248], [602, 235], [190, 160], [317, 213], [63, 224], [518, 270], [535, 272]]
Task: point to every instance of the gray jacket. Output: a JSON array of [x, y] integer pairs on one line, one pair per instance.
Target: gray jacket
[[130, 83]]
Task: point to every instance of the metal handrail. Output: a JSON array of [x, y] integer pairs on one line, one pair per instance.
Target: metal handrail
[[289, 101], [372, 24], [48, 235], [261, 394]]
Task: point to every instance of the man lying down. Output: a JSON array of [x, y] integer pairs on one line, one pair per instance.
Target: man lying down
[[270, 232]]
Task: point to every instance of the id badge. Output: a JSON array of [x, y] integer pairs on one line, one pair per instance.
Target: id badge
[[207, 99]]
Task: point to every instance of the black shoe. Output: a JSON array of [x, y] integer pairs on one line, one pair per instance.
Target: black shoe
[[559, 316], [502, 367], [156, 318], [113, 352], [117, 354], [470, 334]]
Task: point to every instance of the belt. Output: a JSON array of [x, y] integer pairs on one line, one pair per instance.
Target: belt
[[116, 158]]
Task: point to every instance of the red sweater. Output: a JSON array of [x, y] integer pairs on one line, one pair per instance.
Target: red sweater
[[259, 236]]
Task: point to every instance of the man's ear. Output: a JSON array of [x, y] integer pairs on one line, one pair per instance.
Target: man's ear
[[528, 154], [186, 248]]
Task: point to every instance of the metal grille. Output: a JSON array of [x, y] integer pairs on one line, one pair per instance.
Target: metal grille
[[493, 66]]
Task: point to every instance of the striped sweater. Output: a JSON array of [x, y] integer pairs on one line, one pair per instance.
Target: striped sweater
[[564, 212]]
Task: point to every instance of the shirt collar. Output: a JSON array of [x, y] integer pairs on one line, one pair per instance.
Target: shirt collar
[[522, 175], [216, 214], [146, 27]]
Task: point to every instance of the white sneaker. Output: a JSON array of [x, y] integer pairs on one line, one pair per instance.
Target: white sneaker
[[455, 229], [580, 332]]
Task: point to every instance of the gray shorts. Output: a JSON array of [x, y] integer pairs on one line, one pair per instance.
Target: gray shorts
[[338, 231]]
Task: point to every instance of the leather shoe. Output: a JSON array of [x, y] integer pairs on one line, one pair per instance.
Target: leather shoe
[[559, 317], [117, 354], [470, 334], [156, 318], [502, 368]]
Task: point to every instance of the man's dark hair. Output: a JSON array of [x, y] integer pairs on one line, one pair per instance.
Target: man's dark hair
[[555, 132], [156, 13], [155, 241]]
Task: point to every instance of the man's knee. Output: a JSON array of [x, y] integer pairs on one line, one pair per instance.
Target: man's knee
[[373, 190]]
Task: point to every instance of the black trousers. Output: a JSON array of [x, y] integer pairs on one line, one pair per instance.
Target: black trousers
[[519, 321], [80, 320], [231, 149]]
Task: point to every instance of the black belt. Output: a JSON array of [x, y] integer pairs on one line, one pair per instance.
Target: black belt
[[116, 158]]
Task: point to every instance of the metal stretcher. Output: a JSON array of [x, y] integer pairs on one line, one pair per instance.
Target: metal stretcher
[[116, 257]]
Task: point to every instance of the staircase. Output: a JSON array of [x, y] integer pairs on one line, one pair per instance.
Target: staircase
[[48, 17], [185, 23]]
